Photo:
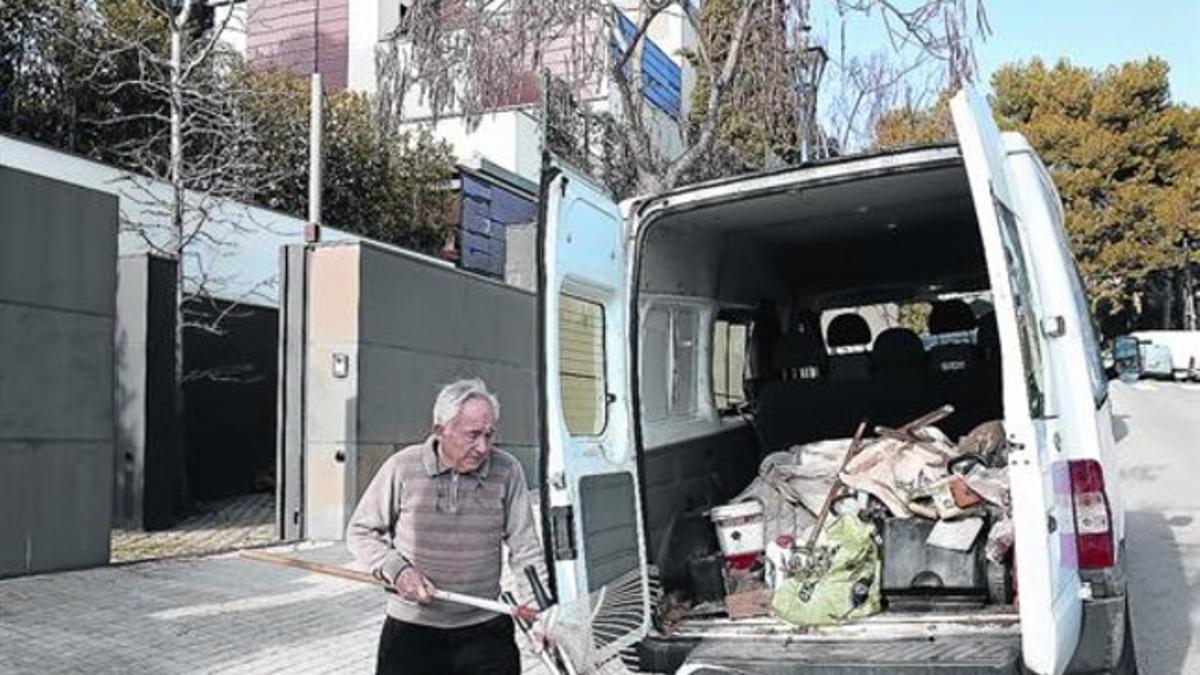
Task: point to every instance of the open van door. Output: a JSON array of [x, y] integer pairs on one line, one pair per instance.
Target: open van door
[[1047, 568], [591, 495]]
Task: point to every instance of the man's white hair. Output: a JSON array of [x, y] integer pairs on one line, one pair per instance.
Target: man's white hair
[[452, 397]]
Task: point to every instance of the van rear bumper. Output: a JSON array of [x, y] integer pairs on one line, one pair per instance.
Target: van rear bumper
[[960, 655], [1102, 636]]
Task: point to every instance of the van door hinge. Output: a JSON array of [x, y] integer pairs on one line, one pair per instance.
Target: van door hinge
[[562, 532]]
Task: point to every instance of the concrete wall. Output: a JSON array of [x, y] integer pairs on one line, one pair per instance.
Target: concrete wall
[[57, 301], [149, 461], [520, 260], [510, 138], [402, 325], [240, 253]]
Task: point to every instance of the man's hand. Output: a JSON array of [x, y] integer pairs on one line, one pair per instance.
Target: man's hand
[[541, 634], [413, 586]]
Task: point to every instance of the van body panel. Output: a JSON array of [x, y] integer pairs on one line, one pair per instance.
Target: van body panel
[[1040, 488], [729, 190], [591, 488], [1085, 422]]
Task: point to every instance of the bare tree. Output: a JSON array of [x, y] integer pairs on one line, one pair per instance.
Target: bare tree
[[905, 74], [182, 106], [469, 57]]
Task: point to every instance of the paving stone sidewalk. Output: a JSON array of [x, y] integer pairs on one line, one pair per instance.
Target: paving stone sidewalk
[[217, 614], [224, 525]]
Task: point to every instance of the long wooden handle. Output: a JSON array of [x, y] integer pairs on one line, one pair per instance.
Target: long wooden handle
[[837, 484], [319, 568], [526, 613]]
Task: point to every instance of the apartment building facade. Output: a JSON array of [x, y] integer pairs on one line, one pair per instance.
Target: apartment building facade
[[500, 152]]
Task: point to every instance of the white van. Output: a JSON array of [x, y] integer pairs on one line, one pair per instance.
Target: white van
[[1184, 346], [640, 429]]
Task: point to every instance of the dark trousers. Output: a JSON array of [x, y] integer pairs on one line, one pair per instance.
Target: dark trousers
[[483, 649]]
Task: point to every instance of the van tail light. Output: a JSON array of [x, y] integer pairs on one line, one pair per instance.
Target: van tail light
[[1093, 517]]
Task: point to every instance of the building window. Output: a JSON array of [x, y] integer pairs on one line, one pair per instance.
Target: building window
[[581, 365], [729, 364]]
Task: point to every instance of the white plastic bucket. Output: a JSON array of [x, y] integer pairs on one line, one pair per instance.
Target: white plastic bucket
[[740, 531]]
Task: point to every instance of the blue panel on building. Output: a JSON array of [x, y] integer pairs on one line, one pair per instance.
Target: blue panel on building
[[663, 79], [483, 254], [487, 210]]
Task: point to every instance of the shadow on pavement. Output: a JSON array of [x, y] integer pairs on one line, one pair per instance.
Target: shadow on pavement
[[1159, 592], [1120, 428]]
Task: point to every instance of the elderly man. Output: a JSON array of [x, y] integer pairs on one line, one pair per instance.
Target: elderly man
[[435, 516]]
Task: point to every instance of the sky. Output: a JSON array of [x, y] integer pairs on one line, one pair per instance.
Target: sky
[[1097, 33], [1089, 33]]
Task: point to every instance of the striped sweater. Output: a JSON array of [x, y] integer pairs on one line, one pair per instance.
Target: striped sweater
[[449, 526]]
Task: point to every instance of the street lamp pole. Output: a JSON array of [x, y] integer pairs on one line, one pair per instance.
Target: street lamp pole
[[316, 124], [1189, 289]]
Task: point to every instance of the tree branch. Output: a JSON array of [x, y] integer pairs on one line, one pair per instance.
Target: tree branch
[[718, 85]]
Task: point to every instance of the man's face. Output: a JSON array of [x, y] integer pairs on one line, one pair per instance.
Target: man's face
[[466, 441]]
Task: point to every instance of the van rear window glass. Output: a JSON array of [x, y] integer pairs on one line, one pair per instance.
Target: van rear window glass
[[1018, 276], [729, 364], [656, 362], [581, 365]]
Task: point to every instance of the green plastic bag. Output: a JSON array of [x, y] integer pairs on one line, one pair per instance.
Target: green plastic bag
[[836, 582]]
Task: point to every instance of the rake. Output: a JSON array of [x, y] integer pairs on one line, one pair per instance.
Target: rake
[[611, 614]]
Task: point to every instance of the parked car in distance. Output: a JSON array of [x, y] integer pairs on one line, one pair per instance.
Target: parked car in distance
[[1127, 358]]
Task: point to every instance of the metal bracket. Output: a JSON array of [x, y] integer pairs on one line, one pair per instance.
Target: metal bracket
[[562, 532], [1054, 326]]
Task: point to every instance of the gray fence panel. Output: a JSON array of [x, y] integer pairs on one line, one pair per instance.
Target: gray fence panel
[[57, 299], [406, 326]]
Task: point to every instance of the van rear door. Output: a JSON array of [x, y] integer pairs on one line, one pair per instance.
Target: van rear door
[[1048, 580], [591, 495]]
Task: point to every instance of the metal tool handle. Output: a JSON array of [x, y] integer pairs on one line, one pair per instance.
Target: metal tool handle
[[552, 666], [511, 600], [535, 584]]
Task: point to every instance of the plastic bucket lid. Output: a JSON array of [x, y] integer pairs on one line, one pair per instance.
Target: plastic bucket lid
[[746, 509]]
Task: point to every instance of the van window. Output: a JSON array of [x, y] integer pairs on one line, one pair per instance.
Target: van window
[[913, 316], [669, 362], [581, 365], [685, 328], [1022, 290], [729, 364], [656, 363]]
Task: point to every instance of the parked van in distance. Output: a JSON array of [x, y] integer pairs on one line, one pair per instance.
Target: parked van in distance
[[1183, 347], [683, 343]]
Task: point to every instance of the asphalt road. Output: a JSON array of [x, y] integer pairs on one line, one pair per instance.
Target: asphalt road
[[1157, 425]]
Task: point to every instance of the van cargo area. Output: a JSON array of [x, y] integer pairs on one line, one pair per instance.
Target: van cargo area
[[857, 293]]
